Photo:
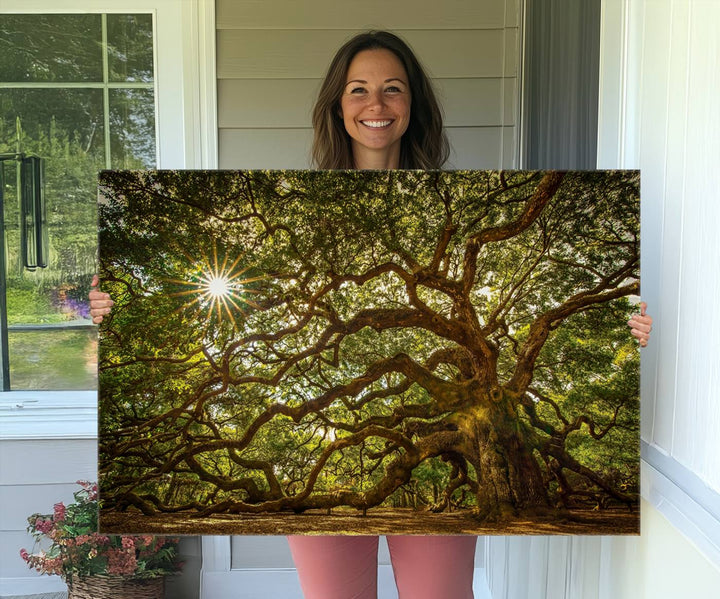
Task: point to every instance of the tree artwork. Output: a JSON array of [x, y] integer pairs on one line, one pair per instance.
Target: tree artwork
[[293, 347]]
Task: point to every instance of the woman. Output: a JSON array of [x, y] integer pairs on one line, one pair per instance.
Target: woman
[[376, 110]]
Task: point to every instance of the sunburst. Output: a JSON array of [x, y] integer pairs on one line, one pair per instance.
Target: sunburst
[[218, 288]]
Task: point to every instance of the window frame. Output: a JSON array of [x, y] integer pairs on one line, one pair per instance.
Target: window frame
[[184, 36]]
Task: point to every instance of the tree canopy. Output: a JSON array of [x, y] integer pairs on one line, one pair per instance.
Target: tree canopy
[[291, 340]]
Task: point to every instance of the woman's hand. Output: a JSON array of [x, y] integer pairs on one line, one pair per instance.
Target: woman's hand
[[100, 303], [641, 325]]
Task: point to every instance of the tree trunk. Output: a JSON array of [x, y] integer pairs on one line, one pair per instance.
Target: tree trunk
[[509, 477]]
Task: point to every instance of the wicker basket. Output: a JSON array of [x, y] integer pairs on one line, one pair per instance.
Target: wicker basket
[[116, 587]]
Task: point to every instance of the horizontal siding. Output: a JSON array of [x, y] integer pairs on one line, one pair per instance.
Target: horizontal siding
[[471, 148], [369, 14], [510, 147], [477, 147], [263, 103], [264, 148], [268, 54], [19, 501], [11, 564], [271, 57], [52, 461]]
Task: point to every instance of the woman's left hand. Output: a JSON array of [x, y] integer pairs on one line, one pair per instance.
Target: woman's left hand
[[641, 325]]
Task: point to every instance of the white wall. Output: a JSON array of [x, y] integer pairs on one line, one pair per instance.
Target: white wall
[[659, 99], [669, 127], [659, 564]]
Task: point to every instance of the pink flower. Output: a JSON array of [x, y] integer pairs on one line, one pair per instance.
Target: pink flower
[[53, 565], [44, 526], [24, 554], [121, 561], [128, 542], [59, 512]]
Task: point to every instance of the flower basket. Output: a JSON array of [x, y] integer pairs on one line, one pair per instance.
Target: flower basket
[[94, 565], [116, 587]]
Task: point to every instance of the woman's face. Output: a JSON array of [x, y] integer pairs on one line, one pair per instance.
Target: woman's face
[[375, 107]]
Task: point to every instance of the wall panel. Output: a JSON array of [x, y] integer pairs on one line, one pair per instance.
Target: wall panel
[[263, 103], [697, 421], [401, 14], [265, 148], [306, 53]]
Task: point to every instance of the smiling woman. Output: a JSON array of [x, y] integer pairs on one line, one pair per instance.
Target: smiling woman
[[375, 107], [375, 78]]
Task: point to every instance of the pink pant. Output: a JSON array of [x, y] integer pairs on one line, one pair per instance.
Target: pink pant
[[427, 567]]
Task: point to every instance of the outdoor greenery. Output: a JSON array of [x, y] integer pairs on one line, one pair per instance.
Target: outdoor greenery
[[64, 124], [288, 341]]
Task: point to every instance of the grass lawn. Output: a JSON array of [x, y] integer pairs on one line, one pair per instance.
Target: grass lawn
[[53, 359]]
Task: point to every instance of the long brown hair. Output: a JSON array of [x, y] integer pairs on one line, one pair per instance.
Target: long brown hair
[[424, 144]]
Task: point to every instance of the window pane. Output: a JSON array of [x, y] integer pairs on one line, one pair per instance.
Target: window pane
[[50, 48], [130, 44], [65, 127], [52, 341], [53, 359], [132, 128], [53, 123]]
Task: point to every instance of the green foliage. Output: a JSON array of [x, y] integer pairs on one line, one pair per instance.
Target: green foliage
[[370, 319]]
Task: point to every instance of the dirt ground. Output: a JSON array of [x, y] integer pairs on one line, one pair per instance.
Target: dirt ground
[[379, 521]]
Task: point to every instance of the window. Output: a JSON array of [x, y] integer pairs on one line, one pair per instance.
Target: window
[[180, 116], [77, 90]]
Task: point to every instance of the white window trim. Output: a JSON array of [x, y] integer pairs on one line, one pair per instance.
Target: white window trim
[[186, 125], [681, 496]]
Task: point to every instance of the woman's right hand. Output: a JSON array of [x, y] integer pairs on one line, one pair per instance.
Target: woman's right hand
[[100, 303]]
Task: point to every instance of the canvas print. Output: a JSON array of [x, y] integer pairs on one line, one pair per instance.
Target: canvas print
[[369, 352]]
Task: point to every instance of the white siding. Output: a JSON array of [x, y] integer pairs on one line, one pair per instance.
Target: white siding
[[34, 475]]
